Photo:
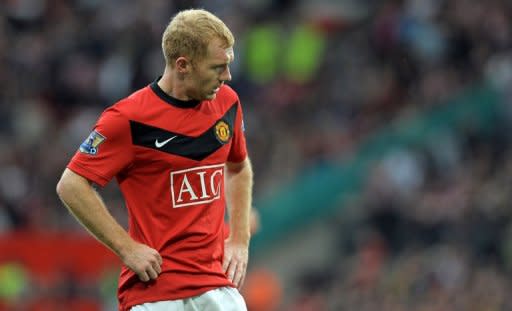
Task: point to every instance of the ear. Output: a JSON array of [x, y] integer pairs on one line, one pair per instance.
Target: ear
[[183, 64]]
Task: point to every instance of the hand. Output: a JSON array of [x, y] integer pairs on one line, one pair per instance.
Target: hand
[[235, 261], [143, 260]]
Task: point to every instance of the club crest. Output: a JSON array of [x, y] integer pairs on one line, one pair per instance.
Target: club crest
[[222, 131]]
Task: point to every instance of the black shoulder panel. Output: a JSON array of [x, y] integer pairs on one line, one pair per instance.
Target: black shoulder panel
[[195, 148]]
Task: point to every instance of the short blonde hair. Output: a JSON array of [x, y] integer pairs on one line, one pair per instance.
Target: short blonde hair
[[189, 32]]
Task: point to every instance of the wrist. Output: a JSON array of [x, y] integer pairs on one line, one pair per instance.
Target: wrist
[[243, 240], [123, 248]]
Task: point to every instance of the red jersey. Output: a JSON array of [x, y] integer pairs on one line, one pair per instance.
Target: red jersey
[[168, 158]]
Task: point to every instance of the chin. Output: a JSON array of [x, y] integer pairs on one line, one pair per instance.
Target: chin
[[210, 96]]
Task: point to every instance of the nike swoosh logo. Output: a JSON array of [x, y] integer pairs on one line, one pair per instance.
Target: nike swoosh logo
[[161, 144]]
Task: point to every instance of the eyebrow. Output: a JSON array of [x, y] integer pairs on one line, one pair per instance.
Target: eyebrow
[[225, 63]]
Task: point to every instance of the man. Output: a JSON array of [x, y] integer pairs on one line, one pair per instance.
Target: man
[[171, 146]]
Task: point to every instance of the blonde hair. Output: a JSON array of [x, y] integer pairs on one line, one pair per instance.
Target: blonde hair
[[189, 32]]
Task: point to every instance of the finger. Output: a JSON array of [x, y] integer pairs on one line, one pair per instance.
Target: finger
[[231, 271], [157, 267], [241, 282], [225, 263], [159, 259], [244, 274], [152, 273], [239, 273], [143, 276], [236, 279]]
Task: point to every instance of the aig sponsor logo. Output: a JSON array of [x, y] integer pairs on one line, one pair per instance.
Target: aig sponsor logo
[[196, 185]]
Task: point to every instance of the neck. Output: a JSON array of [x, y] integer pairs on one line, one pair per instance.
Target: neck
[[172, 85]]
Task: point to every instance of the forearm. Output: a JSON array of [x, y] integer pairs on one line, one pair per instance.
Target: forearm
[[239, 198], [87, 207]]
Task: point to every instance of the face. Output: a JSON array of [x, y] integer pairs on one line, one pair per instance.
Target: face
[[207, 75]]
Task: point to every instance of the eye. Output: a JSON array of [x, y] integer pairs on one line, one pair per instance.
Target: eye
[[220, 68]]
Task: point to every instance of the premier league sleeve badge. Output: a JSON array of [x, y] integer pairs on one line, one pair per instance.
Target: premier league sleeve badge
[[92, 143]]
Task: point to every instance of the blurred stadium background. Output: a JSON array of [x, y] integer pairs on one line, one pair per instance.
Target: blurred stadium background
[[379, 133]]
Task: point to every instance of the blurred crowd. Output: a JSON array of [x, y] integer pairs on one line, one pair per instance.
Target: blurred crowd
[[315, 78], [426, 235]]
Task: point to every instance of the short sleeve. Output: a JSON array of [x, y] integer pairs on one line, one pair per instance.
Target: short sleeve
[[106, 151], [238, 151]]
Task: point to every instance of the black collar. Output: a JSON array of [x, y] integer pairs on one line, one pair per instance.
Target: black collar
[[171, 100]]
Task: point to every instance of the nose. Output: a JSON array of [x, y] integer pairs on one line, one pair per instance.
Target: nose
[[225, 75]]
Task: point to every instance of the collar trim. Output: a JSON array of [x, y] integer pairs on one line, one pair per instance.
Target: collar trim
[[171, 100]]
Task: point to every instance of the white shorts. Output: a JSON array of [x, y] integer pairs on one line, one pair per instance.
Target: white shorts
[[219, 299]]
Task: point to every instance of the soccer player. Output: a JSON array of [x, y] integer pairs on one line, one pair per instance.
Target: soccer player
[[173, 147]]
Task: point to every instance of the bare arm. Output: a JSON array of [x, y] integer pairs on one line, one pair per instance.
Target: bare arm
[[86, 205], [239, 199]]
